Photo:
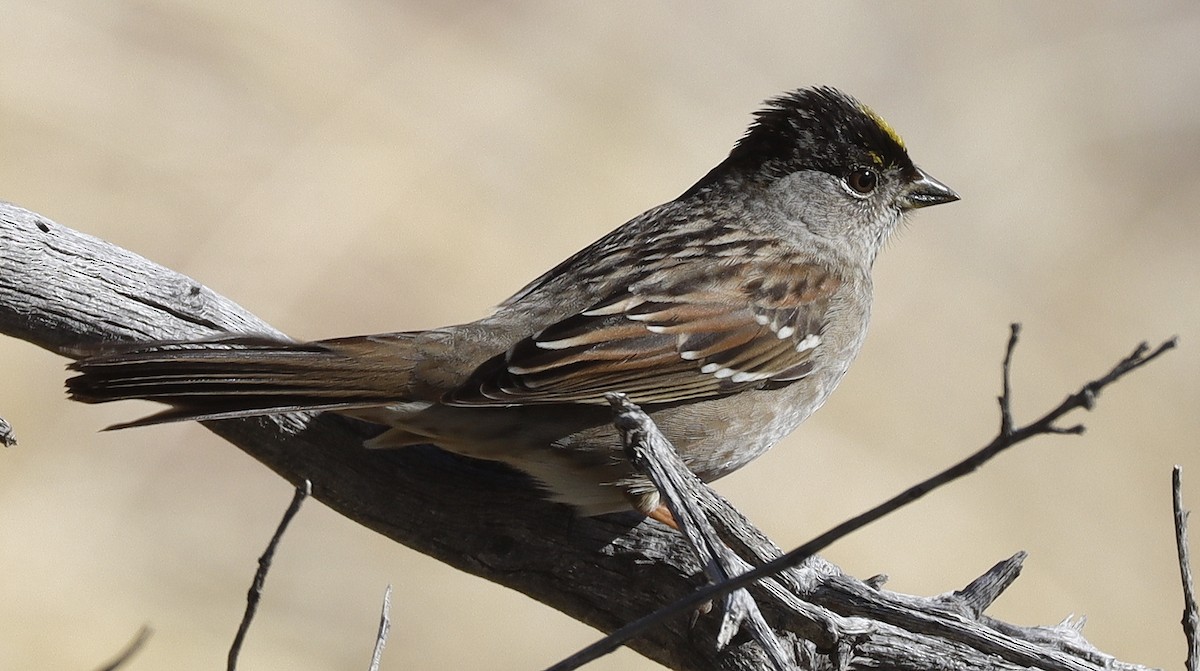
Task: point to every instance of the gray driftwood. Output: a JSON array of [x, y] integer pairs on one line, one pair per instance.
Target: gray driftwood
[[66, 291]]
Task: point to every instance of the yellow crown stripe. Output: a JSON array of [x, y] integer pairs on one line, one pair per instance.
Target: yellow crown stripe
[[883, 125]]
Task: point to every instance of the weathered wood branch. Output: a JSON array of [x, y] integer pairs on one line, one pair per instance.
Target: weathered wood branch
[[66, 291], [1191, 612]]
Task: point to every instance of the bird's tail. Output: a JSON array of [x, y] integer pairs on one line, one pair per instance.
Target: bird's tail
[[245, 376]]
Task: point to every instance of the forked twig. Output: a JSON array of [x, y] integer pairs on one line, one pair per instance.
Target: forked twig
[[254, 595]]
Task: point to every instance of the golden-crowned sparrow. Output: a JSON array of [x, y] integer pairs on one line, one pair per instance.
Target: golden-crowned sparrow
[[729, 314]]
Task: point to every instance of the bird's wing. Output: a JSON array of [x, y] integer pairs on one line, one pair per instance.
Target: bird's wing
[[671, 336]]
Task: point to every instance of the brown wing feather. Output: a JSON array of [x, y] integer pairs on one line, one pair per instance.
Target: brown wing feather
[[669, 338]]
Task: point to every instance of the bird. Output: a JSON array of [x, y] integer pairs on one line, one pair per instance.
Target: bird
[[729, 314]]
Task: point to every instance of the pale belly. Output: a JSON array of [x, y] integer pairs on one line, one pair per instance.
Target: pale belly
[[576, 452]]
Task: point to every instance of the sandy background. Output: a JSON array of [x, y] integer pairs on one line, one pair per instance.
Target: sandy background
[[349, 167]]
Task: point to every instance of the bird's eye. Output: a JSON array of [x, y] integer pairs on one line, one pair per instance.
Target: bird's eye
[[862, 180]]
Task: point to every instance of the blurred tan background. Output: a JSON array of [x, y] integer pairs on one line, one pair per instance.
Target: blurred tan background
[[350, 167]]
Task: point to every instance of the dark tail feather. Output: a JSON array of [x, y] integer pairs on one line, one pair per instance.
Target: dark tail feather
[[241, 377]]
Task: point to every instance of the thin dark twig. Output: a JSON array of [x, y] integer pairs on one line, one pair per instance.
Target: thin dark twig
[[1006, 418], [254, 595], [130, 650], [1191, 620], [385, 626], [1084, 398]]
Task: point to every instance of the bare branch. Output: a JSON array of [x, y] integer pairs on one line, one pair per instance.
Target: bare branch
[[1191, 620], [254, 595], [652, 454], [1085, 398], [1006, 418], [385, 626]]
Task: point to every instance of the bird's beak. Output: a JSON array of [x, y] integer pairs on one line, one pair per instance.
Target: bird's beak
[[924, 191]]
